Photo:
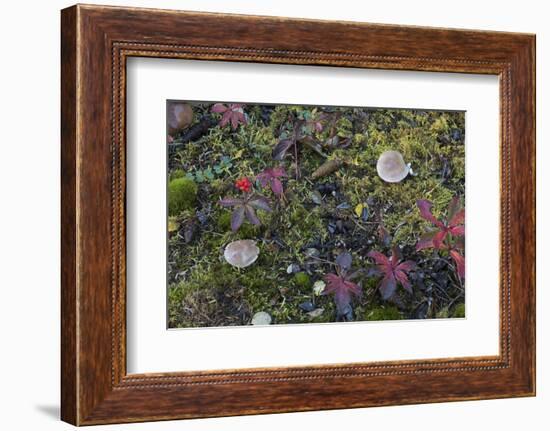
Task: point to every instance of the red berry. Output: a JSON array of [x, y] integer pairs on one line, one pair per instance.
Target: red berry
[[243, 184]]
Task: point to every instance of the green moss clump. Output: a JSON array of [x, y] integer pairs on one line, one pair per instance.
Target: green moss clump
[[302, 279], [177, 173], [182, 195], [460, 310], [224, 221], [383, 313]]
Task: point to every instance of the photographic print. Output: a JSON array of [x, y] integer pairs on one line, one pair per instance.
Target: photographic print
[[285, 214]]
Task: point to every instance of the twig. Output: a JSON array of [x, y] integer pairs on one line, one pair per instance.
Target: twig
[[193, 133]]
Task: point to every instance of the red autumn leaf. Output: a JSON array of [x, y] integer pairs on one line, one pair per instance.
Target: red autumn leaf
[[230, 202], [425, 207], [342, 286], [245, 208], [270, 177], [454, 226], [219, 108], [425, 241], [460, 263], [251, 215], [393, 270], [259, 202], [343, 289], [232, 113], [237, 217]]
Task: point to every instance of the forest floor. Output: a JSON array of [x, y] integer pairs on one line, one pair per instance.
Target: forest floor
[[322, 209]]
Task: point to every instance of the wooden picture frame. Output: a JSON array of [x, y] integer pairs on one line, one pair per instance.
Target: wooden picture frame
[[95, 42]]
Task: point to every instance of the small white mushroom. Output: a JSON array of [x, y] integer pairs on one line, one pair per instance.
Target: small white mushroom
[[179, 116], [391, 167], [261, 318], [241, 253]]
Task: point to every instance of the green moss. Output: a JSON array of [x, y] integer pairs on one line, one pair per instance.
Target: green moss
[[177, 173], [383, 313], [302, 279], [459, 310], [182, 195], [224, 221]]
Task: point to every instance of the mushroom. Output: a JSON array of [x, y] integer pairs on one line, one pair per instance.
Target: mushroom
[[179, 116], [261, 318], [241, 253], [391, 167]]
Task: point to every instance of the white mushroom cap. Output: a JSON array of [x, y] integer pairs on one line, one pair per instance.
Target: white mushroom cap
[[261, 318], [391, 167], [179, 116], [241, 253]]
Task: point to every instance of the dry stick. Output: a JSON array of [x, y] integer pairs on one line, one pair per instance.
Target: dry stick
[[193, 133], [323, 260]]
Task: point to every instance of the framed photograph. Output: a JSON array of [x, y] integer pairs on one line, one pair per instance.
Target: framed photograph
[[266, 215]]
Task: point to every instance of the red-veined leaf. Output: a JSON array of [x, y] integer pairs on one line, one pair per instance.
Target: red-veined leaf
[[251, 215], [387, 286], [342, 290], [259, 202], [331, 280], [235, 119], [396, 255], [276, 186], [264, 179], [225, 118], [454, 207], [458, 218], [425, 241], [237, 218], [406, 266], [438, 238], [425, 208], [457, 230], [218, 108], [393, 271], [379, 258], [352, 287], [460, 263], [403, 279], [278, 171], [230, 202]]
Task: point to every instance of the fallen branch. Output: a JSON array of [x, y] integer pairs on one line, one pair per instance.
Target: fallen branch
[[195, 132]]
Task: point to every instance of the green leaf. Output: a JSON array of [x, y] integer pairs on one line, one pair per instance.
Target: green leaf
[[199, 177], [208, 173]]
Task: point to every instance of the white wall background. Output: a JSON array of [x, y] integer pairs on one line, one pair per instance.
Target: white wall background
[[29, 214]]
